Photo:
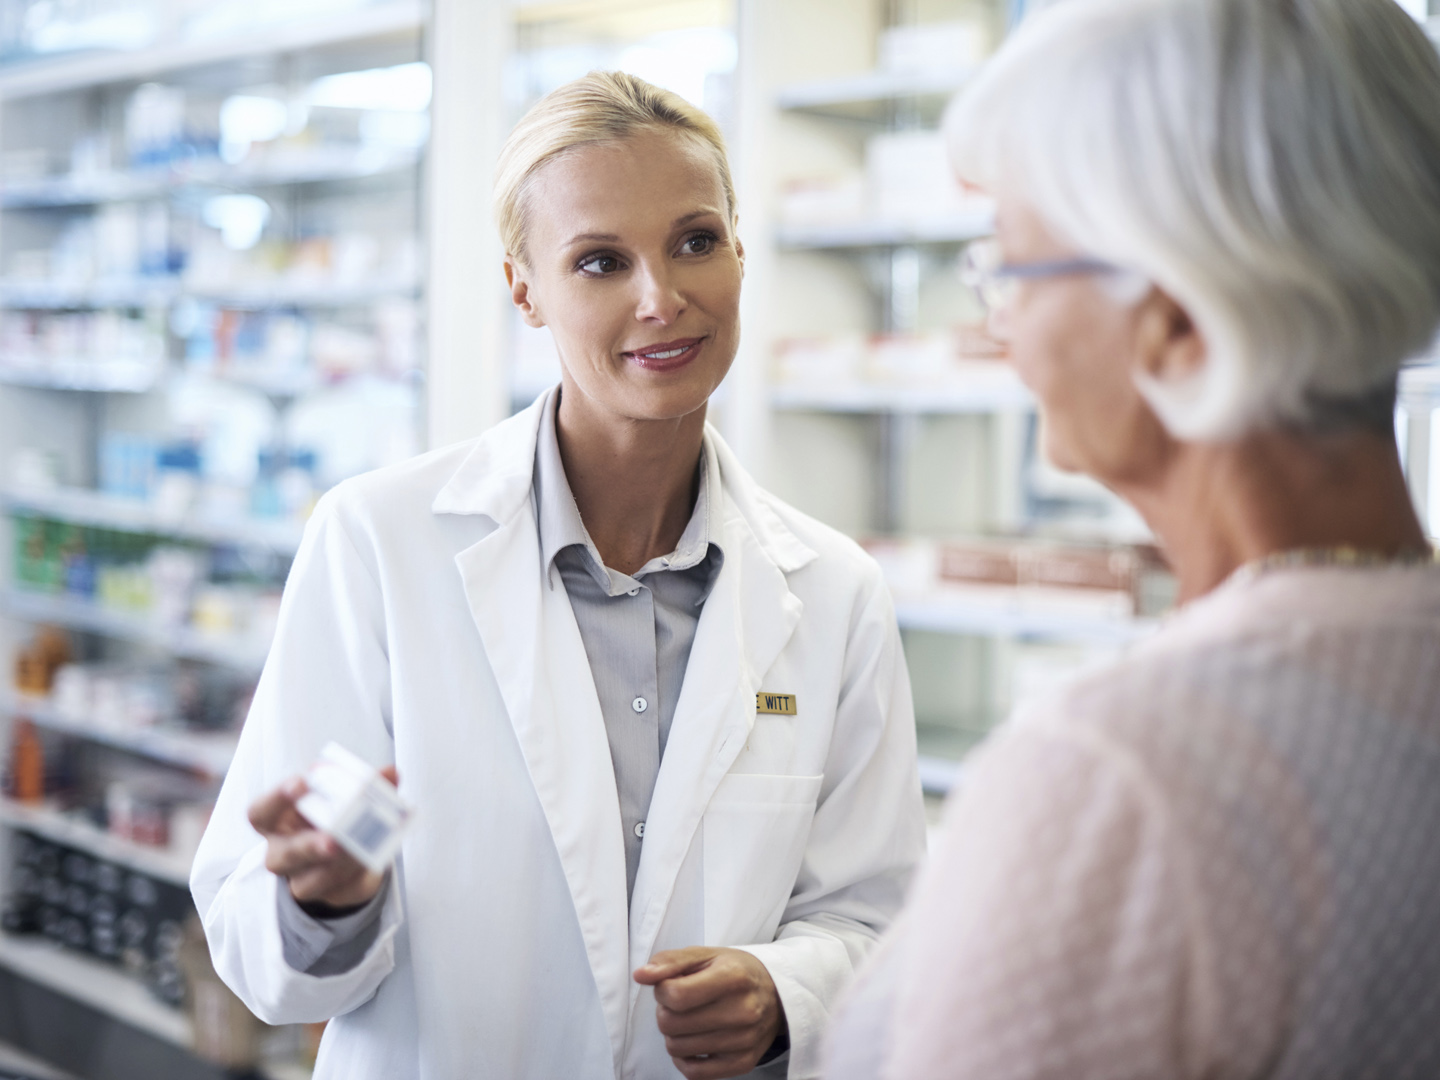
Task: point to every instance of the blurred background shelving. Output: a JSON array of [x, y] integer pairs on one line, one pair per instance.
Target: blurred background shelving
[[245, 252], [212, 290]]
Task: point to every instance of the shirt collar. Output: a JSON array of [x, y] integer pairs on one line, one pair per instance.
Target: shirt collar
[[561, 527]]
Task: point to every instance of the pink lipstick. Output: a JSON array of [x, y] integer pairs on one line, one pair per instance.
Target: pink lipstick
[[666, 355]]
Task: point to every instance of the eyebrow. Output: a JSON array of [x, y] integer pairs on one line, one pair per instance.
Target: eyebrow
[[611, 238]]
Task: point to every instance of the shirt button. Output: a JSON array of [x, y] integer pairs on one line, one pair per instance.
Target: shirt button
[[639, 704], [640, 829], [633, 592]]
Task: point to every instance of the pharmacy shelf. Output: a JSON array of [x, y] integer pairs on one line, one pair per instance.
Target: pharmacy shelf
[[996, 392], [948, 611], [82, 507], [275, 382], [95, 69], [326, 165], [956, 229], [123, 293], [206, 753], [238, 653], [104, 987], [300, 294], [112, 992], [65, 829], [158, 292], [89, 376], [871, 96]]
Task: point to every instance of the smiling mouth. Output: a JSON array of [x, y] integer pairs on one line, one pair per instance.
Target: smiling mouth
[[667, 355]]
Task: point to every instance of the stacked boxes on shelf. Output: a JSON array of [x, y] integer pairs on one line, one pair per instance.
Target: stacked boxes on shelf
[[222, 249], [100, 908]]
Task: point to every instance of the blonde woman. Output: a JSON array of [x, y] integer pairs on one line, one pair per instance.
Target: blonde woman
[[655, 722], [1218, 238]]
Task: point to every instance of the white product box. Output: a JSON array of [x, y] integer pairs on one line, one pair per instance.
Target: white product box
[[910, 177], [823, 201], [941, 46], [350, 800]]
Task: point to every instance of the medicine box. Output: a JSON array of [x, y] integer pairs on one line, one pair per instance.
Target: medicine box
[[350, 800]]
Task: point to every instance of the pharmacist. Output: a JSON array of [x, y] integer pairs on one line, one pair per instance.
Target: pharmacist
[[655, 724]]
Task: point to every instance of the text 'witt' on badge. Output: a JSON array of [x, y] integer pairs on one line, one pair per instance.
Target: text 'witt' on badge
[[775, 704]]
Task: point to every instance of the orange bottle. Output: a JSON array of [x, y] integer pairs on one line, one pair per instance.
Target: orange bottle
[[27, 763]]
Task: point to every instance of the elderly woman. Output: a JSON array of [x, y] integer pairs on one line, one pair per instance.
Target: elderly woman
[[1218, 237], [655, 723]]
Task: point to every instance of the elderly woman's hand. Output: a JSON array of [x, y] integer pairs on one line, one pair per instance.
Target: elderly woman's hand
[[323, 877], [717, 1008]]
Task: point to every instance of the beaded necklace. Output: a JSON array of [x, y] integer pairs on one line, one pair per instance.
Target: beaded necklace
[[1351, 557]]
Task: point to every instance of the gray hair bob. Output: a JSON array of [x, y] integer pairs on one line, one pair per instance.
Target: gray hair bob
[[1273, 165]]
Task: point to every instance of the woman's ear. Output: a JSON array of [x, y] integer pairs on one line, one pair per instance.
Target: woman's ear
[[1169, 347], [520, 294]]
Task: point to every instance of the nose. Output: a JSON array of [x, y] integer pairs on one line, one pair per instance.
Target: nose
[[660, 299]]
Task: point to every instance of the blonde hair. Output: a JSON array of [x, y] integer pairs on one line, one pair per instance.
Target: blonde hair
[[602, 107]]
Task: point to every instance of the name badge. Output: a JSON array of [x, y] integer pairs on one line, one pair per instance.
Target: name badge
[[775, 704]]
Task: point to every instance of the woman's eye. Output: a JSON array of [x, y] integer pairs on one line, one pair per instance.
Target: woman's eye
[[600, 265], [700, 244]]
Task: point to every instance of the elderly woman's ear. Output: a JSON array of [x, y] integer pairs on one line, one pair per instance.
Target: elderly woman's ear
[[1169, 348]]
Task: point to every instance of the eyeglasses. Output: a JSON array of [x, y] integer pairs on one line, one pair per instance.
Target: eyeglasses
[[983, 269]]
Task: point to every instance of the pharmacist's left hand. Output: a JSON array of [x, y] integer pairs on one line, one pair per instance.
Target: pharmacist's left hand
[[717, 1008]]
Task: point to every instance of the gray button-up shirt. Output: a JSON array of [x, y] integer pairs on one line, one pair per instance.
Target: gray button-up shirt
[[637, 630]]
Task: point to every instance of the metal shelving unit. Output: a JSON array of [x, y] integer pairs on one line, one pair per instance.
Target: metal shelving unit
[[62, 828], [55, 76], [84, 376], [1011, 614], [941, 231], [161, 292], [870, 96], [312, 167], [208, 755], [967, 431], [317, 186], [104, 988], [81, 506], [1001, 391], [240, 654]]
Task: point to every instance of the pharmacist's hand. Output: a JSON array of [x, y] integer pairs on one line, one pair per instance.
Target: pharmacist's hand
[[320, 872], [717, 1008]]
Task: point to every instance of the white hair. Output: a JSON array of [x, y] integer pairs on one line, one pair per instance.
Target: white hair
[[1272, 165]]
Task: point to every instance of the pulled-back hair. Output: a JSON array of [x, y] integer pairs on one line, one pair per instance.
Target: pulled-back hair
[[602, 107]]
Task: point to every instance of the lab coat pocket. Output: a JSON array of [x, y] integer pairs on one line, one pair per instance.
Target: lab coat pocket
[[755, 831]]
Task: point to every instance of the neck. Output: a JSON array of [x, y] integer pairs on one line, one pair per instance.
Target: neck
[[634, 481], [1216, 507]]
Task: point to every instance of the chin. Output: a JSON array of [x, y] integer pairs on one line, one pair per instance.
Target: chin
[[643, 399]]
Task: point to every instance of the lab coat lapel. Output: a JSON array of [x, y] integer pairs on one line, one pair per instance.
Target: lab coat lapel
[[747, 620], [534, 647]]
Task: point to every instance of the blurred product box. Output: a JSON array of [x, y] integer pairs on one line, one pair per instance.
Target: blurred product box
[[1118, 581], [99, 908], [824, 201], [909, 178], [822, 361], [211, 590], [963, 356], [1139, 573], [937, 46], [30, 339]]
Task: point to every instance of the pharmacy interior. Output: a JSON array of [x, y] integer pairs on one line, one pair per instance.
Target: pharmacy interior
[[245, 254]]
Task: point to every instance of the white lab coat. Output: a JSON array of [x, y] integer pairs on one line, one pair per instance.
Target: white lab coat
[[417, 628]]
